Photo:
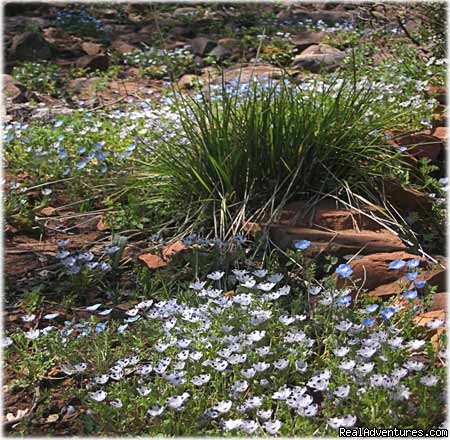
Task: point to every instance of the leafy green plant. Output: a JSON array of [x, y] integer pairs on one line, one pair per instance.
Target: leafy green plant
[[247, 143], [42, 77]]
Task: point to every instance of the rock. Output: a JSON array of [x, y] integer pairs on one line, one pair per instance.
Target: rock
[[30, 46], [246, 72], [220, 53], [14, 90], [188, 81], [153, 261], [432, 277], [318, 57], [305, 39], [326, 214], [149, 29], [173, 249], [441, 133], [122, 46], [93, 62], [439, 301], [373, 270], [91, 48], [202, 45], [336, 242], [185, 11], [420, 145], [406, 199]]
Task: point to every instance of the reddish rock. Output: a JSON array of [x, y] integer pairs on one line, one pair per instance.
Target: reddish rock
[[408, 199], [441, 133], [94, 62], [420, 145], [372, 270], [439, 301], [347, 241], [245, 72], [188, 81], [91, 48], [305, 39], [319, 56], [153, 261], [14, 90], [438, 93], [433, 278], [122, 46], [174, 248], [49, 211]]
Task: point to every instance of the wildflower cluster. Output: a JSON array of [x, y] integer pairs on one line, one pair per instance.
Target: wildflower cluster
[[43, 77], [239, 361], [79, 21], [157, 63]]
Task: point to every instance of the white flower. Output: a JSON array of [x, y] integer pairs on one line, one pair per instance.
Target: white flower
[[286, 320], [176, 402], [235, 359], [195, 355], [414, 365], [301, 366], [261, 366], [253, 402], [28, 318], [399, 373], [264, 414], [230, 425], [256, 335], [6, 341], [161, 347], [197, 285], [249, 426], [249, 283], [32, 334], [116, 403], [144, 370], [395, 342], [98, 396], [347, 365], [275, 278], [266, 287], [93, 308], [341, 351], [308, 411], [283, 393], [281, 364], [144, 391], [367, 352], [342, 391], [345, 421], [105, 312], [101, 380], [215, 275], [223, 407], [240, 386], [248, 373], [402, 393], [272, 427], [429, 381], [201, 379], [415, 344], [318, 383], [435, 323], [219, 364], [365, 368], [344, 326], [155, 410], [263, 351], [261, 273]]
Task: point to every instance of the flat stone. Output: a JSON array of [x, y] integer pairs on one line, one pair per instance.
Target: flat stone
[[317, 57]]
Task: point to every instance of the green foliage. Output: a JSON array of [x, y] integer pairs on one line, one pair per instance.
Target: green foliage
[[43, 77], [276, 138]]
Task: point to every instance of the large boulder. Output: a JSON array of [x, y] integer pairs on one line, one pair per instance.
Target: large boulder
[[30, 46], [13, 90], [319, 57], [94, 62]]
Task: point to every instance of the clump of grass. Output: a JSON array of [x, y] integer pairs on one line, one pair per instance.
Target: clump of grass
[[251, 141]]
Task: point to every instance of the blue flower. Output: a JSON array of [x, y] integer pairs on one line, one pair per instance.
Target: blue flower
[[62, 243], [412, 264], [369, 322], [443, 180], [81, 149], [81, 165], [100, 327], [63, 154], [410, 294], [396, 264], [72, 270], [87, 256], [371, 308], [420, 284], [388, 312], [62, 254], [111, 250], [345, 301], [58, 123], [105, 267], [344, 270], [302, 244], [411, 276]]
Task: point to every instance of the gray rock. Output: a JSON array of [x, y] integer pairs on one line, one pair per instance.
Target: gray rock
[[30, 46], [319, 57], [220, 53], [93, 62], [201, 45]]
